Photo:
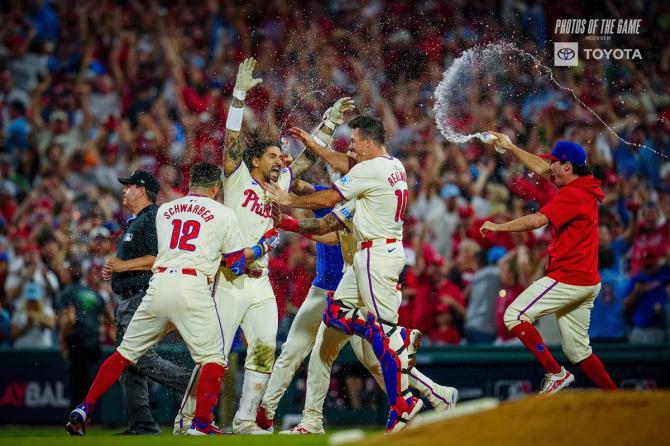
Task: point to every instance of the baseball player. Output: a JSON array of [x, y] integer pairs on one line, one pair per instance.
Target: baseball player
[[249, 163], [572, 281], [193, 232], [308, 327], [367, 298]]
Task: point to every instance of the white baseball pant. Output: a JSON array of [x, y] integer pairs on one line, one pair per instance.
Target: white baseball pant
[[249, 302], [572, 305]]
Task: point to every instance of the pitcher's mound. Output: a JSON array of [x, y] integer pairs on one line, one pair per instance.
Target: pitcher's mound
[[574, 418]]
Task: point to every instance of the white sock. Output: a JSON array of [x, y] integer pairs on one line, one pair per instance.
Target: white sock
[[253, 389]]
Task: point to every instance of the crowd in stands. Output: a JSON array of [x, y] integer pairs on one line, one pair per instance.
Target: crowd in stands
[[91, 90]]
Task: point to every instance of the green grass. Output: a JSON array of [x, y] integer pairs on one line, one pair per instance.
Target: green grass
[[49, 436]]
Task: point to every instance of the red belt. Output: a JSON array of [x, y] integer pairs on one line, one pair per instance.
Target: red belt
[[370, 243], [187, 271]]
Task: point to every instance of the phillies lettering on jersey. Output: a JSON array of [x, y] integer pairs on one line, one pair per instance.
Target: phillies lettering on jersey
[[252, 202], [252, 205]]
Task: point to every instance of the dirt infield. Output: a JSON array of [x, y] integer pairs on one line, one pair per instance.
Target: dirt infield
[[573, 418]]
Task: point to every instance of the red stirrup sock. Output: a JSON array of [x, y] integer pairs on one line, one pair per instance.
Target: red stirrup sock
[[595, 370], [109, 373], [533, 341], [207, 392]]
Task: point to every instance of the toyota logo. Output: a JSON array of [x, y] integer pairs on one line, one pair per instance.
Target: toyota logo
[[566, 54]]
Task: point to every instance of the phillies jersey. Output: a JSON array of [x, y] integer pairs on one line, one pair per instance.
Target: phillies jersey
[[379, 186], [192, 233], [252, 205]]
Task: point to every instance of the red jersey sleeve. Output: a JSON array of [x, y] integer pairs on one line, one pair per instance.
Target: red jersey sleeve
[[562, 208]]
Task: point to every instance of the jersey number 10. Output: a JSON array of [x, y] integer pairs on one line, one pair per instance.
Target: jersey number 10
[[401, 195], [183, 233]]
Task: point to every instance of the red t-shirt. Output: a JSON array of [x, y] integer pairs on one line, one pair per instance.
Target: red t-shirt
[[445, 336], [573, 215]]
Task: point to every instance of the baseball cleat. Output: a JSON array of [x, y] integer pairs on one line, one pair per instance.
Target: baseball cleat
[[554, 382], [199, 430], [402, 413], [263, 421], [77, 421], [444, 398], [248, 427], [301, 430]]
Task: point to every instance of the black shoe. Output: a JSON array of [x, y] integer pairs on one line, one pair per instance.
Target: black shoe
[[141, 430]]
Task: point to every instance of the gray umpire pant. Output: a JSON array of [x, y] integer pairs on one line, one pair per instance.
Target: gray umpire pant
[[134, 384]]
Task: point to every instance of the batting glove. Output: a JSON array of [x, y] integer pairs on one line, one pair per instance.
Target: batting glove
[[245, 80], [333, 117]]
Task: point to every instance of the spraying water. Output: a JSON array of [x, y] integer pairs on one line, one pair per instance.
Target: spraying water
[[473, 60], [296, 105]]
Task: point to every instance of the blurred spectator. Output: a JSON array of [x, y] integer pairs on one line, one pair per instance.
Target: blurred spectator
[[9, 94], [607, 316], [445, 332], [33, 321], [5, 327], [17, 128], [647, 297], [80, 311], [29, 273], [481, 295]]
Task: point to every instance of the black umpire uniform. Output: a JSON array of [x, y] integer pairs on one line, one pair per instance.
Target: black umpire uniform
[[139, 239]]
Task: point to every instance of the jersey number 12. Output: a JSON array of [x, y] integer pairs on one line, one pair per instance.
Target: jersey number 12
[[401, 195], [183, 233]]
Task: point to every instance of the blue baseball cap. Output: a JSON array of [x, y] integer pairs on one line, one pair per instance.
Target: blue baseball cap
[[494, 254], [567, 151]]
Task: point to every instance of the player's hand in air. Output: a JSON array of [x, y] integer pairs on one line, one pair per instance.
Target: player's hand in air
[[245, 78], [487, 227], [269, 241], [333, 117], [502, 140], [304, 138], [335, 113], [279, 195]]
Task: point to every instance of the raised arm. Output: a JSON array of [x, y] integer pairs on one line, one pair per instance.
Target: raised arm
[[322, 137], [338, 161], [232, 155], [533, 162], [525, 223]]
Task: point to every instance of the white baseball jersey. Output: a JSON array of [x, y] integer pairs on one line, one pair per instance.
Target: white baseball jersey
[[251, 204], [380, 188], [193, 231]]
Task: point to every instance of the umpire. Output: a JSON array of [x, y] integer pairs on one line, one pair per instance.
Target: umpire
[[130, 272]]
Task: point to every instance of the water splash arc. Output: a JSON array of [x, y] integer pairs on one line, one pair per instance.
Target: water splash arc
[[449, 86]]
